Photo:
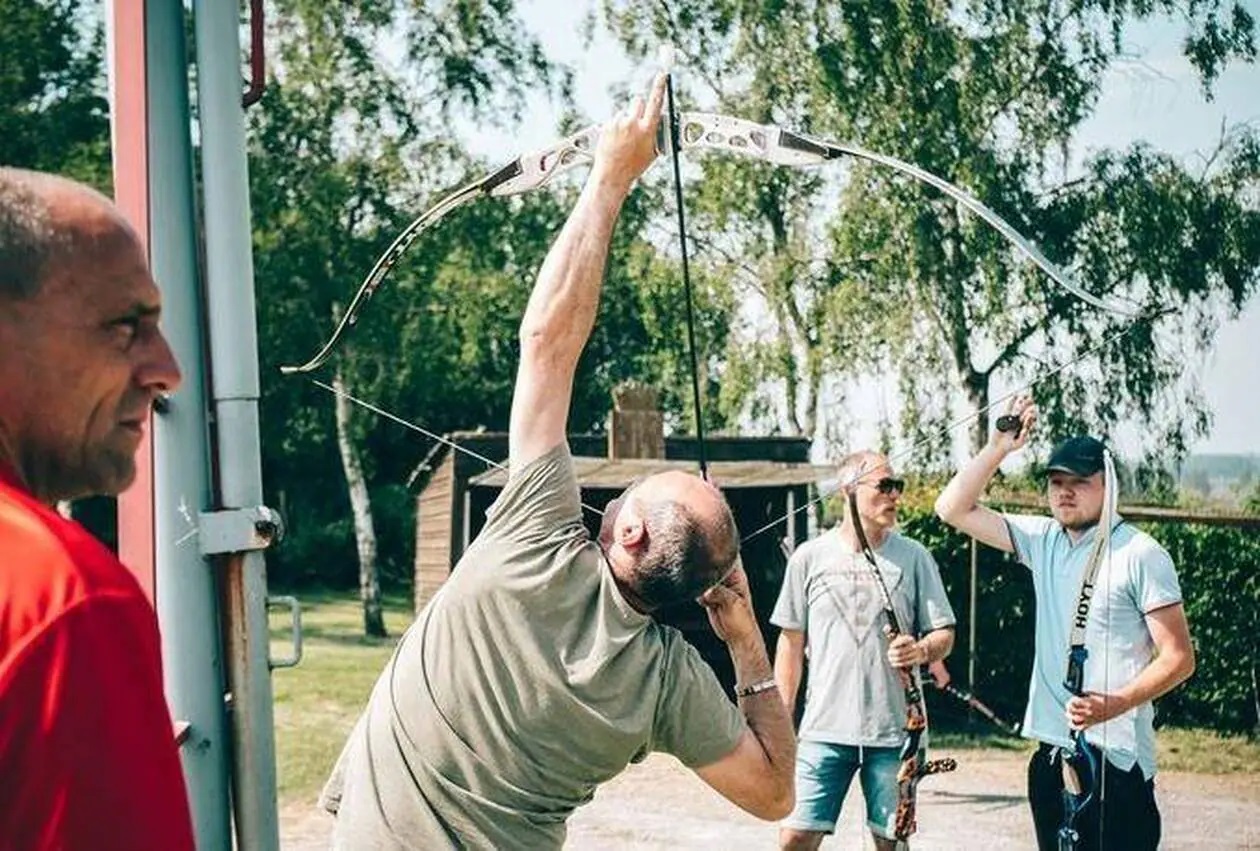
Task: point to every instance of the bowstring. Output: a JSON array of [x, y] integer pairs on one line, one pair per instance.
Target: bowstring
[[426, 432], [675, 150]]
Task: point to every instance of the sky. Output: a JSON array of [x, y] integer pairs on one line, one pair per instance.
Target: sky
[[1154, 97]]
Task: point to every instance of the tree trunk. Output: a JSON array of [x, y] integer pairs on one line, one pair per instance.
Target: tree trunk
[[977, 386], [361, 506]]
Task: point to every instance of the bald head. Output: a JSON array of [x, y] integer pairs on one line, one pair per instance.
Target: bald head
[[46, 221], [863, 466], [677, 534]]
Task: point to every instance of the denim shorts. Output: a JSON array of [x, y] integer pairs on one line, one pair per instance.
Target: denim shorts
[[823, 774]]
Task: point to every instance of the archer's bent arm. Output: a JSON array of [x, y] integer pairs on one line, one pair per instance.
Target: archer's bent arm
[[759, 776], [1174, 657], [937, 644], [959, 504], [562, 306]]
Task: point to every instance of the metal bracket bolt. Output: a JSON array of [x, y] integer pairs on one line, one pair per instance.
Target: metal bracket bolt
[[239, 530]]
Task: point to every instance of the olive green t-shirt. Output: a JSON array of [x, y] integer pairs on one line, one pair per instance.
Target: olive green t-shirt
[[527, 681]]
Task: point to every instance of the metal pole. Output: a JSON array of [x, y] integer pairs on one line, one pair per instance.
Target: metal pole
[[971, 621], [790, 532], [234, 359], [186, 596]]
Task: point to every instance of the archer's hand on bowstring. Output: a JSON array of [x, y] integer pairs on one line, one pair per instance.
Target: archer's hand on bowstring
[[1006, 442], [1086, 710], [627, 143], [906, 653], [729, 607]]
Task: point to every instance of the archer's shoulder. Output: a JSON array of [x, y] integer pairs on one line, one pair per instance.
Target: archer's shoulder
[[910, 546], [824, 545], [1142, 547]]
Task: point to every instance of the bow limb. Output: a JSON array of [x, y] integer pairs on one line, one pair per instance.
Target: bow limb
[[784, 147], [538, 168], [381, 268], [528, 171]]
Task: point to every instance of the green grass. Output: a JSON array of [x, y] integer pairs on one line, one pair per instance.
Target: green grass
[[1188, 751], [982, 741], [317, 702], [1206, 752]]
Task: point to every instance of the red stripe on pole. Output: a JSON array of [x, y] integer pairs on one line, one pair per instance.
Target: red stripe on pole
[[130, 120]]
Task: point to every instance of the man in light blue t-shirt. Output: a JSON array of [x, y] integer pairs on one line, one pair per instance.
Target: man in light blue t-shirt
[[1136, 635], [831, 609]]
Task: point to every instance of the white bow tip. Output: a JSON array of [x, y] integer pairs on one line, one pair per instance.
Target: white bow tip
[[665, 56]]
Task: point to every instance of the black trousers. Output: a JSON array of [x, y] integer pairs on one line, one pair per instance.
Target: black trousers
[[1130, 819]]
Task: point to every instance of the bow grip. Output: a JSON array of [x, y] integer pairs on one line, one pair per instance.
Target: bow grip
[[1075, 679]]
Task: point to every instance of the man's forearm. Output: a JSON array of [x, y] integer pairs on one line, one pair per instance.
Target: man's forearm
[[765, 712], [1162, 675], [788, 666], [964, 490], [563, 304], [937, 644]]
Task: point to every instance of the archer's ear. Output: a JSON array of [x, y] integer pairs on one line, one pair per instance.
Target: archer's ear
[[631, 532]]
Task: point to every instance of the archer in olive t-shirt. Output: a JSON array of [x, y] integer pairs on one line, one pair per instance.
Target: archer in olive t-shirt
[[527, 681]]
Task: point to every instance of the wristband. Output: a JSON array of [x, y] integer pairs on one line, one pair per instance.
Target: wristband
[[755, 688]]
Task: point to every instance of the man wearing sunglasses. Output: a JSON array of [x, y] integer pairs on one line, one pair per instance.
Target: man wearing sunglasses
[[538, 672], [1137, 641], [831, 609]]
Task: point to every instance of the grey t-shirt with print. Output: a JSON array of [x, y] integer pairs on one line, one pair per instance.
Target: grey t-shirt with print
[[526, 682], [853, 696]]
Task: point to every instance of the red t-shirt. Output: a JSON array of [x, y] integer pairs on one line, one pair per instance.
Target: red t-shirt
[[87, 753]]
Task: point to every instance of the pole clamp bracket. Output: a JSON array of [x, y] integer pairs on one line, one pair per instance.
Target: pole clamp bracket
[[239, 530]]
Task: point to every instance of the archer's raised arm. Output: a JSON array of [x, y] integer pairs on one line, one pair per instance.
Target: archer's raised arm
[[561, 311], [958, 505]]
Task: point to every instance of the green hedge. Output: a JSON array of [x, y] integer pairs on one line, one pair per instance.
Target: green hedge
[[1219, 570]]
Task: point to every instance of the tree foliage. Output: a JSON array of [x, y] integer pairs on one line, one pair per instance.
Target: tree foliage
[[53, 112], [867, 273]]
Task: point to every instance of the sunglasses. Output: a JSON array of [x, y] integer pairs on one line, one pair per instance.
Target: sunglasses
[[889, 486]]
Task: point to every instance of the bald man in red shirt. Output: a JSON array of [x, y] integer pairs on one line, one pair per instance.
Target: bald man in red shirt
[[87, 753]]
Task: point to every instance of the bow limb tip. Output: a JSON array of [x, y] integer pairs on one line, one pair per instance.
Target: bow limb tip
[[310, 366], [665, 57]]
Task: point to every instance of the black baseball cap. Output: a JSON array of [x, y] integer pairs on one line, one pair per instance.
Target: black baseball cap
[[1080, 456]]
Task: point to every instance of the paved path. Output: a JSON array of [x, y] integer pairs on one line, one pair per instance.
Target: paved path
[[659, 805]]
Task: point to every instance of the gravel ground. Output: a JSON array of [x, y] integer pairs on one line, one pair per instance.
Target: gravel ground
[[659, 804]]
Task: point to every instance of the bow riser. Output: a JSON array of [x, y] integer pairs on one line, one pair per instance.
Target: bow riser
[[538, 168]]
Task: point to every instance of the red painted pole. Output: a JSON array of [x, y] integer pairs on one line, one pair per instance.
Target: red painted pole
[[129, 122]]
